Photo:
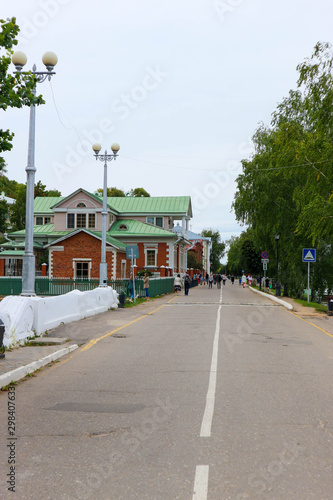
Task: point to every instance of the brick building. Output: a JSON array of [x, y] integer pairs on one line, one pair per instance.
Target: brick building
[[68, 234]]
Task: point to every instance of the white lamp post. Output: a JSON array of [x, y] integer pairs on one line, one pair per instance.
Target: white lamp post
[[19, 59], [103, 268]]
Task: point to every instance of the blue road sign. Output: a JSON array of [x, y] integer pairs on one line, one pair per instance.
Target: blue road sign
[[309, 255], [132, 252]]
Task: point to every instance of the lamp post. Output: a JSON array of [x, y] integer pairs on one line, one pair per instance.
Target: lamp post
[[277, 286], [19, 60], [103, 268]]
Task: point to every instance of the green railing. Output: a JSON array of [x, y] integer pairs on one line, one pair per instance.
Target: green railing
[[58, 286]]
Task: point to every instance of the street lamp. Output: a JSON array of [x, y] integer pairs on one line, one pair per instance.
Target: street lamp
[[19, 59], [103, 269], [277, 286]]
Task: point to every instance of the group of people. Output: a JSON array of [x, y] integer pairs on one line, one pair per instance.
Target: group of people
[[179, 282], [211, 279]]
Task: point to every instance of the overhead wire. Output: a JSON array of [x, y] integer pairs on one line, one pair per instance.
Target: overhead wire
[[72, 127]]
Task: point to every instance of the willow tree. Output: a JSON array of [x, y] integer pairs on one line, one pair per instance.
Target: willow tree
[[286, 186]]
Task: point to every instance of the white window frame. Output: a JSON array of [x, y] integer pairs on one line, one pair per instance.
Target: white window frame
[[81, 260], [151, 247]]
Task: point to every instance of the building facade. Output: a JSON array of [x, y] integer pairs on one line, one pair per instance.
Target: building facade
[[68, 234]]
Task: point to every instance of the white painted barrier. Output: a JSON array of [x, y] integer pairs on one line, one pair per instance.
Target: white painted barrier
[[24, 317]]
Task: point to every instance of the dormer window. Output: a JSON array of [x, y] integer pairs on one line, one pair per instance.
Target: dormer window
[[81, 205], [123, 227]]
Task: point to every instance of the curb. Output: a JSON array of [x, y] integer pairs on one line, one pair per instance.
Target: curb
[[275, 299], [22, 371]]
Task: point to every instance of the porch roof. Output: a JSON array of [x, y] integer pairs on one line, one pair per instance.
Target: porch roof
[[12, 253]]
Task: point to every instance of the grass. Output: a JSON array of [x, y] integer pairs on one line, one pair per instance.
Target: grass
[[319, 307], [140, 300]]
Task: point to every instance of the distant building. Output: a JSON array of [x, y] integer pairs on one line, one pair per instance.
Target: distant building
[[200, 246]]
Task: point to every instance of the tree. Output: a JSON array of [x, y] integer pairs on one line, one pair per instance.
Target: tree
[[4, 211], [218, 248], [15, 90], [17, 213], [110, 192], [192, 262], [18, 209], [139, 193], [286, 186], [40, 190]]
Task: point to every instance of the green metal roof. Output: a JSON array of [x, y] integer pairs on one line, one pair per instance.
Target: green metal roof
[[109, 239], [47, 229], [130, 205], [137, 228], [152, 205], [19, 244], [17, 253], [43, 204]]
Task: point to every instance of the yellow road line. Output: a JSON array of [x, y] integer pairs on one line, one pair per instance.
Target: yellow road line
[[312, 324], [94, 341]]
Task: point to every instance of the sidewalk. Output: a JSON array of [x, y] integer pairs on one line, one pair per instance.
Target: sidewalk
[[24, 360]]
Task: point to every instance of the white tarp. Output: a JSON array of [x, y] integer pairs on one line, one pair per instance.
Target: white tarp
[[24, 317]]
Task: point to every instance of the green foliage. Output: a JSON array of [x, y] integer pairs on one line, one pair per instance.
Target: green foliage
[[115, 192], [16, 90], [110, 192], [17, 213], [243, 255], [139, 193], [218, 248], [40, 190], [4, 212], [286, 186], [192, 262], [17, 191]]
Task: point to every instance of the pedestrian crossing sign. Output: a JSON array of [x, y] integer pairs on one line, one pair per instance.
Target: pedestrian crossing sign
[[309, 255]]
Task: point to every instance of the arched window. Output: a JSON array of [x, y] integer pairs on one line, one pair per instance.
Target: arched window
[[81, 205], [122, 227]]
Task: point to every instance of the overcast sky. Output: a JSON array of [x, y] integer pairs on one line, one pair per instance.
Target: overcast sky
[[180, 85]]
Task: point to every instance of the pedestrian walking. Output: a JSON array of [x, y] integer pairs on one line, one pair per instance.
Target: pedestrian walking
[[177, 284], [210, 280], [243, 280], [146, 285], [224, 279], [218, 280], [130, 288], [232, 279], [187, 282]]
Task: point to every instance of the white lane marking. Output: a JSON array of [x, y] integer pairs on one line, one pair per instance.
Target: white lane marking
[[206, 424], [201, 482]]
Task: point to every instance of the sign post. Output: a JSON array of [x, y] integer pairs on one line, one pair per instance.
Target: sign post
[[264, 260], [309, 255], [132, 252]]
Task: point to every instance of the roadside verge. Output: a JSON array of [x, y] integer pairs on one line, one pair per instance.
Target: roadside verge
[[275, 299]]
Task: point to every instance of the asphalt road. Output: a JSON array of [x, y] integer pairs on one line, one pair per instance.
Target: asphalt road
[[219, 395]]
